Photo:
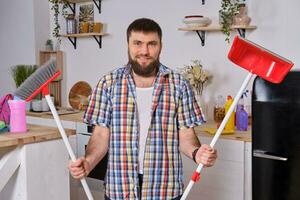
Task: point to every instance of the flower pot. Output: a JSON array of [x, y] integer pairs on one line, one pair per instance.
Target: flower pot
[[242, 18]]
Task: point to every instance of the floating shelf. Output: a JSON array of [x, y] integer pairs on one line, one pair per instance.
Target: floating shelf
[[202, 30], [73, 2], [73, 37]]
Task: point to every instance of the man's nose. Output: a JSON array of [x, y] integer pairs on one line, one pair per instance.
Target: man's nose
[[144, 49]]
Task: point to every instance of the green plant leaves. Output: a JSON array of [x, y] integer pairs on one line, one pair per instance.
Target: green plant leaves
[[55, 8], [228, 10], [21, 72]]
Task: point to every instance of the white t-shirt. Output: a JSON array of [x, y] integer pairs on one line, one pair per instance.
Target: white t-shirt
[[144, 103]]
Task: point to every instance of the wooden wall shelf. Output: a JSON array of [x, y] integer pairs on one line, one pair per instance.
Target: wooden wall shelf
[[202, 30], [73, 37], [96, 2]]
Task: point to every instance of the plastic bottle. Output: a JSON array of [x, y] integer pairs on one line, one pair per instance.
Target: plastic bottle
[[17, 115], [219, 110], [230, 124], [241, 115]]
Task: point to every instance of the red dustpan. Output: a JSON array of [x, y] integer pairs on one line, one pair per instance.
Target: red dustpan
[[257, 60]]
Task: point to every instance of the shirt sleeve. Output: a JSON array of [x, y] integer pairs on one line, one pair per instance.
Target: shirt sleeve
[[99, 108], [189, 112]]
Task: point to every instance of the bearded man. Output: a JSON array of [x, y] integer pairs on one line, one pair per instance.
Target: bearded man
[[144, 114]]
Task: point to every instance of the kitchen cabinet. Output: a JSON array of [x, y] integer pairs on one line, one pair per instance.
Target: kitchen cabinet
[[33, 165], [229, 178], [77, 142]]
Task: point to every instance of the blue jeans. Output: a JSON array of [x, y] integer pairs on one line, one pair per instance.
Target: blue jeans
[[140, 183]]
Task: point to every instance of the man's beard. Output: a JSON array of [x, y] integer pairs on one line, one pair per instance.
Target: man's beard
[[144, 71]]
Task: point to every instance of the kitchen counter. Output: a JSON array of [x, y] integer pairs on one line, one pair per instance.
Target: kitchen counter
[[69, 119], [237, 135], [77, 117], [35, 134], [234, 156], [33, 162]]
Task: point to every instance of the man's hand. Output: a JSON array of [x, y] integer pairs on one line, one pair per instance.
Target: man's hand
[[80, 168], [206, 155]]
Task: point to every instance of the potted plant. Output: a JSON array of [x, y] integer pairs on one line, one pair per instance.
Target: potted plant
[[56, 12], [49, 45], [21, 72], [196, 76], [229, 8]]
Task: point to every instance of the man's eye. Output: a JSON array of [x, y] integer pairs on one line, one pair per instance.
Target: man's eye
[[152, 44], [137, 43]]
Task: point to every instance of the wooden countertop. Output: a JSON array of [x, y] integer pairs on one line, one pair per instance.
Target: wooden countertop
[[34, 134], [74, 117], [77, 117], [237, 135]]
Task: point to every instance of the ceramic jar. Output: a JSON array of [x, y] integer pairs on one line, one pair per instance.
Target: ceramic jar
[[242, 18]]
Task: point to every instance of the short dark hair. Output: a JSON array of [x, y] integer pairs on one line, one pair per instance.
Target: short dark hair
[[144, 25]]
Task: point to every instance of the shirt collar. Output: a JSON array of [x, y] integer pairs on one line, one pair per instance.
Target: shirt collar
[[163, 70]]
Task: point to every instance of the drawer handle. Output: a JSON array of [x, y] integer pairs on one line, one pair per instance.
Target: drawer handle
[[264, 154]]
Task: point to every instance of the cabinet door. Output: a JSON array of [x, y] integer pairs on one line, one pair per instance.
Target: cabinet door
[[248, 171], [223, 181]]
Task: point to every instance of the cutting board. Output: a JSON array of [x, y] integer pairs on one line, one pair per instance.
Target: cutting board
[[78, 95]]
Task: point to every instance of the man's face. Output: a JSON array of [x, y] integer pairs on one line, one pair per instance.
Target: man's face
[[143, 51]]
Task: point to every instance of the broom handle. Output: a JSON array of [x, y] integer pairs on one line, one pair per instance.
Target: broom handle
[[218, 133], [67, 144]]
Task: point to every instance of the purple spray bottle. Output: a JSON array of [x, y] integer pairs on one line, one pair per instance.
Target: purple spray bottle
[[241, 114]]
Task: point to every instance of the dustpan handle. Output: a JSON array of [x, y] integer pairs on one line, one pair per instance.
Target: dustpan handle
[[196, 174], [66, 141]]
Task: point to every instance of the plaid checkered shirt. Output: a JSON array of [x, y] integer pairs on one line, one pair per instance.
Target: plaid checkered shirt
[[113, 105]]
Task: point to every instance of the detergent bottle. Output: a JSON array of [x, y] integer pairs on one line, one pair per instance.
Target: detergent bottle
[[230, 124], [241, 115]]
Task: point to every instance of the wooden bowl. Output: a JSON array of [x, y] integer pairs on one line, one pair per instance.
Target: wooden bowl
[[78, 96]]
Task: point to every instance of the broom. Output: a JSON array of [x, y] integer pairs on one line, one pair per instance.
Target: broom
[[258, 61], [38, 82]]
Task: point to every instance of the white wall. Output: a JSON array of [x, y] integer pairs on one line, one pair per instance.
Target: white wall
[[277, 31], [24, 29], [41, 25], [16, 39], [277, 22]]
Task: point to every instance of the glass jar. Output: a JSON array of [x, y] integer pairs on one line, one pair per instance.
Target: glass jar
[[219, 110], [71, 24]]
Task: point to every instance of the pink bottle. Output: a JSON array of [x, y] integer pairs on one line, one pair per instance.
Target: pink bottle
[[17, 115]]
